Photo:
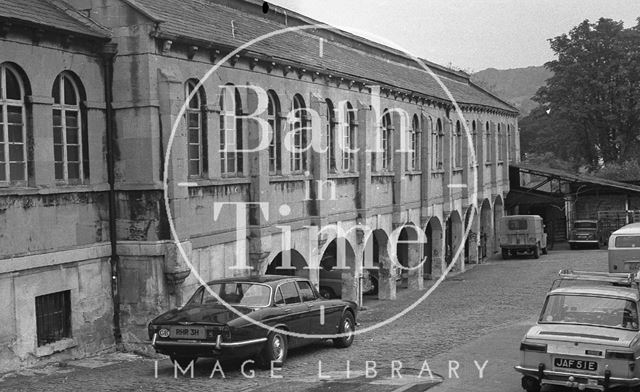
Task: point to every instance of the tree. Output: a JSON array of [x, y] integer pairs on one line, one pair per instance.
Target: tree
[[595, 92]]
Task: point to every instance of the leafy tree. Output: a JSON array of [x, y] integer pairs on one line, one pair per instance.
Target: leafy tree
[[594, 94], [625, 171]]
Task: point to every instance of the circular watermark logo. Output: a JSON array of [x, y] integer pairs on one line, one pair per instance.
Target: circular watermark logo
[[294, 144]]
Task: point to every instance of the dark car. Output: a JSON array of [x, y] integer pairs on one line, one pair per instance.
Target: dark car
[[204, 327], [586, 232]]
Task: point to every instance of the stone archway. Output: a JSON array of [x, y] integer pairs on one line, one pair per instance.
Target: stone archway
[[409, 255], [337, 274], [498, 212], [453, 237], [377, 264], [471, 242], [486, 229], [432, 267], [294, 266]]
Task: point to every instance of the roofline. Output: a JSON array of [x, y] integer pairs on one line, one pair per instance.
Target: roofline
[[471, 83], [144, 11], [101, 31], [207, 43]]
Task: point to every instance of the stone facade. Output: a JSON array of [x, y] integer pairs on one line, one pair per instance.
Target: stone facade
[[55, 236]]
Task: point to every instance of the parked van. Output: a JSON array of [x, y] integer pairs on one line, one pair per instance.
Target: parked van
[[624, 249], [522, 233], [586, 232]]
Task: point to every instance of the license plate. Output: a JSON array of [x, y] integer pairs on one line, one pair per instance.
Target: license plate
[[577, 364], [188, 333], [631, 266]]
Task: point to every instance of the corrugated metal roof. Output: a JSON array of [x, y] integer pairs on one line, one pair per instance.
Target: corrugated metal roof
[[52, 13], [573, 177], [208, 21]]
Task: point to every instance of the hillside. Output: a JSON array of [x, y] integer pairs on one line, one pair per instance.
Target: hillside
[[516, 85]]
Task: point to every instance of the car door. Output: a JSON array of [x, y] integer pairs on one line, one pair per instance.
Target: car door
[[322, 315], [295, 311]]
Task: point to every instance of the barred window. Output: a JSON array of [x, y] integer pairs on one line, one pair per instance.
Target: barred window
[[475, 150], [299, 133], [413, 155], [53, 317], [500, 143], [196, 130], [69, 139], [488, 151], [13, 131], [231, 136], [275, 145], [439, 146], [349, 140], [457, 146], [331, 137], [387, 142]]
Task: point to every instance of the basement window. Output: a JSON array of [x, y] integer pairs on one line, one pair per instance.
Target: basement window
[[53, 317]]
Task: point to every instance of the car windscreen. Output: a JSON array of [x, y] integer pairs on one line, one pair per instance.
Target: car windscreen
[[590, 310], [628, 241], [517, 224], [234, 293], [585, 225]]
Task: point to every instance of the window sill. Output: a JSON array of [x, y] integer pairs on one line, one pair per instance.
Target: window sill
[[199, 182], [290, 178], [383, 174], [413, 172], [500, 163], [438, 171], [23, 190], [487, 164], [55, 347], [332, 176], [456, 170]]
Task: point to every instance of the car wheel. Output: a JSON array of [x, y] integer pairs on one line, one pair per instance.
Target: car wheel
[[536, 252], [347, 326], [505, 254], [326, 292], [530, 384], [184, 362], [275, 350]]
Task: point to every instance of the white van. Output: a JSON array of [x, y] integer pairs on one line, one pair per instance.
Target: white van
[[624, 249]]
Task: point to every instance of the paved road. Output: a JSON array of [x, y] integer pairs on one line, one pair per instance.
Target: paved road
[[474, 317]]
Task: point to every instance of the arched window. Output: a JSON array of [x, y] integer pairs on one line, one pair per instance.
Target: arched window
[[349, 140], [457, 146], [413, 155], [70, 147], [439, 145], [474, 131], [500, 143], [275, 145], [488, 151], [331, 137], [299, 131], [196, 130], [13, 131], [231, 136], [387, 150], [509, 142]]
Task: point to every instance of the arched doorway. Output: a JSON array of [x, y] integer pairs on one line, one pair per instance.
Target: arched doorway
[[409, 254], [378, 267], [498, 212], [471, 242], [295, 266], [453, 236], [432, 249], [486, 229], [338, 270]]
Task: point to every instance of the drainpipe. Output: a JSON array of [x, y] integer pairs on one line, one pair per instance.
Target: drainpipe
[[109, 51]]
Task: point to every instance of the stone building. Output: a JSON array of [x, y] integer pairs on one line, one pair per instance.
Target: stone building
[[92, 92]]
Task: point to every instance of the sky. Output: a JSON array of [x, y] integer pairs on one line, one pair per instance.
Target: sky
[[470, 35]]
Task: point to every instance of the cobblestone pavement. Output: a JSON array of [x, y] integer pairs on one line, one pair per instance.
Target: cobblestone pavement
[[475, 316]]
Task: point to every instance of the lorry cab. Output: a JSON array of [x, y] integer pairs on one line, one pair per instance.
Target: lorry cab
[[624, 249], [586, 232], [522, 233]]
